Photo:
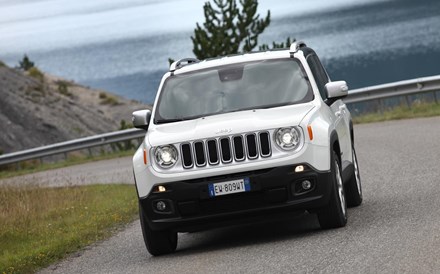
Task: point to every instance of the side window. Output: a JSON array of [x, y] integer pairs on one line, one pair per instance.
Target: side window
[[319, 74]]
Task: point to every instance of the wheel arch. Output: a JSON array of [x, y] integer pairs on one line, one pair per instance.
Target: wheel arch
[[351, 131], [334, 144]]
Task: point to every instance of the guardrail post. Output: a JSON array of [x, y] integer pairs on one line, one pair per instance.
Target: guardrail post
[[407, 101], [381, 108], [435, 97]]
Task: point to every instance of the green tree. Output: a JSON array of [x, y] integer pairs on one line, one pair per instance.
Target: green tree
[[229, 28], [26, 63]]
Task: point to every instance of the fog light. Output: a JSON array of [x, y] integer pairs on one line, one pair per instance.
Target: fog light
[[161, 189], [306, 184], [299, 168], [161, 206]]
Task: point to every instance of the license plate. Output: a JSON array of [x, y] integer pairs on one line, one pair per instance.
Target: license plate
[[230, 187]]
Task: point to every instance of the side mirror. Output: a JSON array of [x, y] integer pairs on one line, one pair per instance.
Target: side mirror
[[336, 90], [141, 119]]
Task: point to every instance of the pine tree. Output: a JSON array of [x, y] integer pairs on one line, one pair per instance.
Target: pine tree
[[229, 28], [26, 63]]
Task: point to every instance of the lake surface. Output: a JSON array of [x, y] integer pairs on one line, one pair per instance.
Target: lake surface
[[123, 46]]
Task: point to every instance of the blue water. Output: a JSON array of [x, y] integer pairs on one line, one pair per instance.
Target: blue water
[[123, 46]]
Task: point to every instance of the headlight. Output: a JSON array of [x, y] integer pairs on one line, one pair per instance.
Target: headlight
[[166, 156], [288, 138]]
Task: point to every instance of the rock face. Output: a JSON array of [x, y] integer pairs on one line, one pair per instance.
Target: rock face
[[37, 109]]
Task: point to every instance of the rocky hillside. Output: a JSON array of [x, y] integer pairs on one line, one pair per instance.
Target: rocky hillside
[[38, 109]]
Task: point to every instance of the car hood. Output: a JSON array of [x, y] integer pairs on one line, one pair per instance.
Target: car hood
[[227, 124]]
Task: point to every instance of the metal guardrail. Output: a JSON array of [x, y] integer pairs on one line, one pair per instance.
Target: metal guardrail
[[401, 88], [72, 145]]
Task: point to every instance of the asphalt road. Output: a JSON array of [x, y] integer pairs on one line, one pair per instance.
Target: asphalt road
[[395, 230]]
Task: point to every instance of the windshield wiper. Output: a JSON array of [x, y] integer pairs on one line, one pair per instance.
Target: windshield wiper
[[171, 120], [164, 121]]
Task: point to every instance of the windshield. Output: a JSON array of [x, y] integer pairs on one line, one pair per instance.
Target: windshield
[[262, 84]]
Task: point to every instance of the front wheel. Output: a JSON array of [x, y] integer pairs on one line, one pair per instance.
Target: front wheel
[[157, 242], [335, 213], [353, 186]]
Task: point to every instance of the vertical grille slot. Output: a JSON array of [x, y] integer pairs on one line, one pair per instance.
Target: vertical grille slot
[[212, 152], [225, 148], [199, 153], [265, 144], [238, 148], [251, 140], [186, 155]]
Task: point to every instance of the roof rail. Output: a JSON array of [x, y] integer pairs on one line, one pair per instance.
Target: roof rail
[[182, 62], [295, 46]]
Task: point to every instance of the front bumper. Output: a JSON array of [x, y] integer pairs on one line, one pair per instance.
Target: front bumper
[[274, 190]]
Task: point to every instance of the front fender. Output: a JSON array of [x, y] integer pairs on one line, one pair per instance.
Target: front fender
[[140, 169], [323, 129]]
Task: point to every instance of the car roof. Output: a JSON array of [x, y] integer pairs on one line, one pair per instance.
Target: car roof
[[192, 64]]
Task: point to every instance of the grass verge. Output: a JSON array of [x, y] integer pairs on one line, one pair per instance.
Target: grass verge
[[40, 226], [401, 112], [35, 166]]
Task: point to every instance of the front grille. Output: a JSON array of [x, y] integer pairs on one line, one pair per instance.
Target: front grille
[[226, 150]]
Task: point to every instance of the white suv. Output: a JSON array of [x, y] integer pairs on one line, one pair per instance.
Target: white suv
[[244, 137]]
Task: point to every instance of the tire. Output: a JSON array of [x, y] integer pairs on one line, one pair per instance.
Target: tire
[[157, 242], [334, 215], [353, 187]]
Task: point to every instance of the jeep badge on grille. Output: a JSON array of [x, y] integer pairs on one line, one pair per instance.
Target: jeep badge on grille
[[224, 131]]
